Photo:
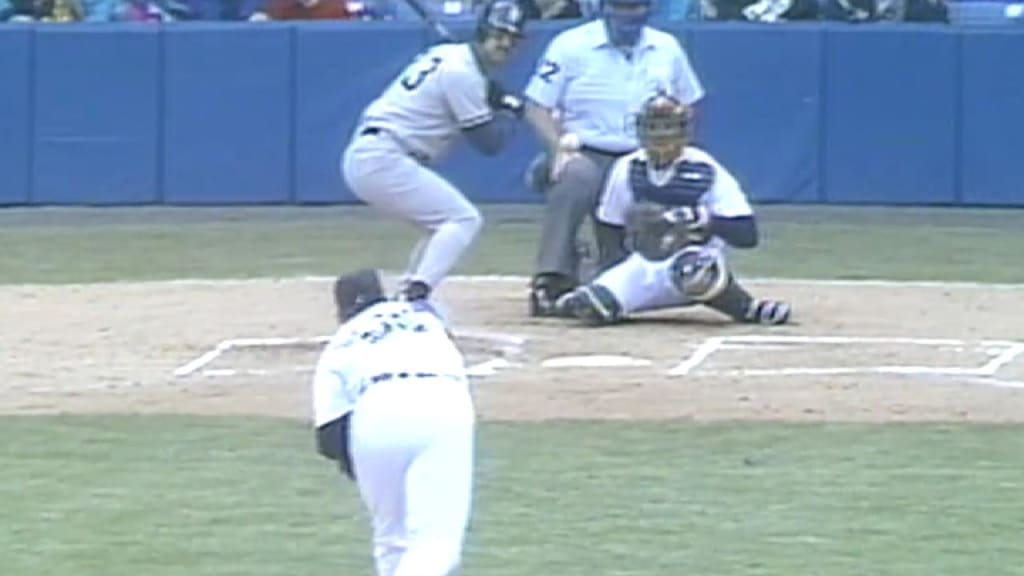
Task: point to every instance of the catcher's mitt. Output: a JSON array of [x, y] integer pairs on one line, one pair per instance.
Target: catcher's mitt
[[657, 233]]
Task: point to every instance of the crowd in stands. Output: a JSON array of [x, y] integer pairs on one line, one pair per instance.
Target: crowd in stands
[[262, 10]]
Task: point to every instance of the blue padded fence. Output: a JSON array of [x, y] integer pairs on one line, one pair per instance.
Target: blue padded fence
[[236, 113]]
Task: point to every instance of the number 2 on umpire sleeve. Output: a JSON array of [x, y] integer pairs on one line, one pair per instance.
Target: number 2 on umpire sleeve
[[414, 78], [548, 69]]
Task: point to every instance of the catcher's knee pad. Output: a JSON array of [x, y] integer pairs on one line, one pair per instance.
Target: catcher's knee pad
[[593, 303], [699, 274]]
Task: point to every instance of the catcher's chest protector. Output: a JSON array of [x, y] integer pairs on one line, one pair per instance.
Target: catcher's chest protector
[[685, 186]]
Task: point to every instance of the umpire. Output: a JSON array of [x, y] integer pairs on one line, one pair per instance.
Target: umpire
[[589, 85]]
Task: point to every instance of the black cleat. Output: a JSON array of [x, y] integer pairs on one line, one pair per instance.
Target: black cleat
[[415, 290], [544, 293], [542, 305]]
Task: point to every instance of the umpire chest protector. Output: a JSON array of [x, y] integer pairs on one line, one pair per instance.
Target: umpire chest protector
[[684, 185]]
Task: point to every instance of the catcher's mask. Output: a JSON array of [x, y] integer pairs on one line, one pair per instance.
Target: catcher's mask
[[357, 291], [662, 127]]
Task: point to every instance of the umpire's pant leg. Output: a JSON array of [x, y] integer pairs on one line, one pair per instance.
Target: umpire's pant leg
[[567, 203]]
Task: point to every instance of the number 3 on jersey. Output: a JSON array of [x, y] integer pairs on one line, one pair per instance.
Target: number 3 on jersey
[[416, 76]]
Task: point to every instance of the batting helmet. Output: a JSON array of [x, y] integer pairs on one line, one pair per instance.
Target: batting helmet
[[662, 127], [501, 15], [357, 291]]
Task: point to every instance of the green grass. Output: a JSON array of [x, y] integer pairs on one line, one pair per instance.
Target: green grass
[[169, 496], [75, 245]]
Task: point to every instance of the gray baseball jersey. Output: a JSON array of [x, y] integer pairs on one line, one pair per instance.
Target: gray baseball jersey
[[441, 93]]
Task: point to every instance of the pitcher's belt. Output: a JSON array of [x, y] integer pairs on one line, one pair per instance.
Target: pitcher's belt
[[384, 377]]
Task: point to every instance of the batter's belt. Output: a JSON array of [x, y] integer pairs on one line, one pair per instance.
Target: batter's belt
[[378, 131]]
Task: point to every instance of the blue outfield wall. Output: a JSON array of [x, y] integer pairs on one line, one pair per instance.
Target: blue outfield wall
[[228, 113], [16, 63]]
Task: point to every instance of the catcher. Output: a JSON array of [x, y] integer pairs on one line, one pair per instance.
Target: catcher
[[677, 209]]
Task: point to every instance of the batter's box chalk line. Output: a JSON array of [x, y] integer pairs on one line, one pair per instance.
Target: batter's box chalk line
[[503, 346], [1000, 352]]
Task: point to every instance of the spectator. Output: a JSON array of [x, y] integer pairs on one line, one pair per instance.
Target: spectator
[[141, 11], [913, 10], [43, 11], [552, 9], [302, 10], [16, 11], [849, 10], [781, 10]]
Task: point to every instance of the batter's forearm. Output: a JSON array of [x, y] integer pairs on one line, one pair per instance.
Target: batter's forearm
[[544, 126], [490, 137]]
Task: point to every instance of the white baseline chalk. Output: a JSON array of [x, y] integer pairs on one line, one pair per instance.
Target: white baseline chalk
[[705, 350], [511, 344]]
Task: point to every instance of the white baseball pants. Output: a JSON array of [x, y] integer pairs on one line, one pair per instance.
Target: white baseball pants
[[412, 448], [640, 284], [383, 175]]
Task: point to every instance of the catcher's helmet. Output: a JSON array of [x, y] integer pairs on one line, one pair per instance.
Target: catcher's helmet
[[662, 127], [357, 291], [501, 15]]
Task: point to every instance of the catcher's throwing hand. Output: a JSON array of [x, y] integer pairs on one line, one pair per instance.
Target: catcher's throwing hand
[[693, 222]]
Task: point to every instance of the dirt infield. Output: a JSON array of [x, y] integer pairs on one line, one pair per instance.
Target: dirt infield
[[858, 352]]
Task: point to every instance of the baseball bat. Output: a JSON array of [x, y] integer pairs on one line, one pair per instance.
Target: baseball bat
[[440, 29]]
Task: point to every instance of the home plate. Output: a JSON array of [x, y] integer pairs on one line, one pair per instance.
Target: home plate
[[594, 361], [487, 368]]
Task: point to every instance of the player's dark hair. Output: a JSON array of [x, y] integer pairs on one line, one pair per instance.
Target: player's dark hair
[[357, 291]]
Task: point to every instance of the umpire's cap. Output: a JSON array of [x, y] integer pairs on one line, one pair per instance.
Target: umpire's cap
[[357, 291]]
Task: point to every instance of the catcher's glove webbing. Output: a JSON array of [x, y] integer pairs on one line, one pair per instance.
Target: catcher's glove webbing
[[657, 233]]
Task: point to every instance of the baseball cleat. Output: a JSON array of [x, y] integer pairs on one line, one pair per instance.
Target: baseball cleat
[[415, 290], [769, 312], [542, 305], [592, 303]]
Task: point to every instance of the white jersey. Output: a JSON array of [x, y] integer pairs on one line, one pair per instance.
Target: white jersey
[[393, 338], [442, 92], [598, 90], [695, 172]]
